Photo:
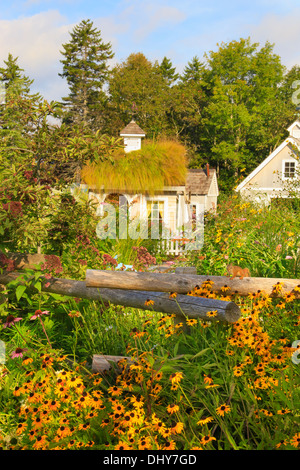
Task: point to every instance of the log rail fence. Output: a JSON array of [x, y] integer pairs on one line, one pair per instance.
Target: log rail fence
[[151, 291]]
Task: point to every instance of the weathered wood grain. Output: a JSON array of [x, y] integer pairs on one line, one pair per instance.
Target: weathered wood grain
[[182, 306], [184, 283], [103, 362]]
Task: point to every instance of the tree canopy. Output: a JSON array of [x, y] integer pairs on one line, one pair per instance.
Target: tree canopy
[[229, 109]]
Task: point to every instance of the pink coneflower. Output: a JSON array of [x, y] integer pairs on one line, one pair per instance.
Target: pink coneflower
[[18, 353], [10, 321], [39, 313]]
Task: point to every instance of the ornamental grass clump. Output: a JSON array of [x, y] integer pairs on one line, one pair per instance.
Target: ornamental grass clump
[[155, 165]]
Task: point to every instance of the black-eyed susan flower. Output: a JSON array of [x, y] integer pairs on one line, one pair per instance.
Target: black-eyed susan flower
[[212, 313], [191, 321], [21, 428], [177, 428], [144, 443], [122, 446], [223, 409], [206, 439], [115, 391], [27, 360], [284, 411], [176, 377], [238, 371], [295, 441], [280, 443], [63, 431], [204, 421], [169, 445], [105, 422], [208, 379], [40, 443], [172, 408]]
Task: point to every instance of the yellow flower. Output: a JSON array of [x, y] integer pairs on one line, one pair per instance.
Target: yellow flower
[[191, 321], [222, 409], [172, 408], [212, 313], [177, 428], [40, 442], [237, 371], [170, 445], [295, 441], [289, 297], [204, 421], [122, 446], [149, 302], [176, 377], [115, 391], [207, 439]]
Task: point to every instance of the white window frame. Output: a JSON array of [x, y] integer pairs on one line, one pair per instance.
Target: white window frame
[[288, 160]]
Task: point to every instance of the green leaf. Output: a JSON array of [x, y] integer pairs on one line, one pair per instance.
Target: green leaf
[[20, 291], [200, 353], [38, 286]]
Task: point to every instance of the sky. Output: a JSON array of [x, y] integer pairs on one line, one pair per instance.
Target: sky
[[34, 31]]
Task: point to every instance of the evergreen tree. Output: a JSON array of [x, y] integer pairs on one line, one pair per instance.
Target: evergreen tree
[[85, 66], [193, 71], [168, 71], [18, 120]]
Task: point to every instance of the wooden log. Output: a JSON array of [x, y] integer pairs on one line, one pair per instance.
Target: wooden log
[[103, 362], [186, 270], [184, 283], [182, 306], [27, 260]]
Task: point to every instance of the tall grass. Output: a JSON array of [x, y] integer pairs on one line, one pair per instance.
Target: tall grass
[[156, 165]]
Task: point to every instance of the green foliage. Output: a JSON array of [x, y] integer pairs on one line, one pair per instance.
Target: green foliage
[[155, 165], [265, 239], [86, 70], [138, 86]]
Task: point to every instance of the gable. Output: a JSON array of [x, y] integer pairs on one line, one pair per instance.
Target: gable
[[294, 130], [268, 175]]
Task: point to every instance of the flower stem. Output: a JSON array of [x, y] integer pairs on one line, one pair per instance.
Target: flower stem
[[43, 326]]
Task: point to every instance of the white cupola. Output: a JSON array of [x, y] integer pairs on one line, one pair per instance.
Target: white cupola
[[132, 134]]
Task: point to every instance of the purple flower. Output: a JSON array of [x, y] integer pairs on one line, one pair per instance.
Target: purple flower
[[39, 313], [10, 321], [18, 353]]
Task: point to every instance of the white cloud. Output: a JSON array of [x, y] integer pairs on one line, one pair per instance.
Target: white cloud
[[36, 41], [146, 17], [284, 32], [154, 18]]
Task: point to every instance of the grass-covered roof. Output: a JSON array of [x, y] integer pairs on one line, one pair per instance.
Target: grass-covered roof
[[148, 170]]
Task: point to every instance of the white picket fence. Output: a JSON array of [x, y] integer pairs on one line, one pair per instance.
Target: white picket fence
[[172, 247]]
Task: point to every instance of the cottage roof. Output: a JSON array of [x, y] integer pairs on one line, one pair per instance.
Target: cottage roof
[[132, 129], [291, 140], [199, 181]]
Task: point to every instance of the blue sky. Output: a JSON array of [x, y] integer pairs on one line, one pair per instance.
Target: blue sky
[[34, 30]]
